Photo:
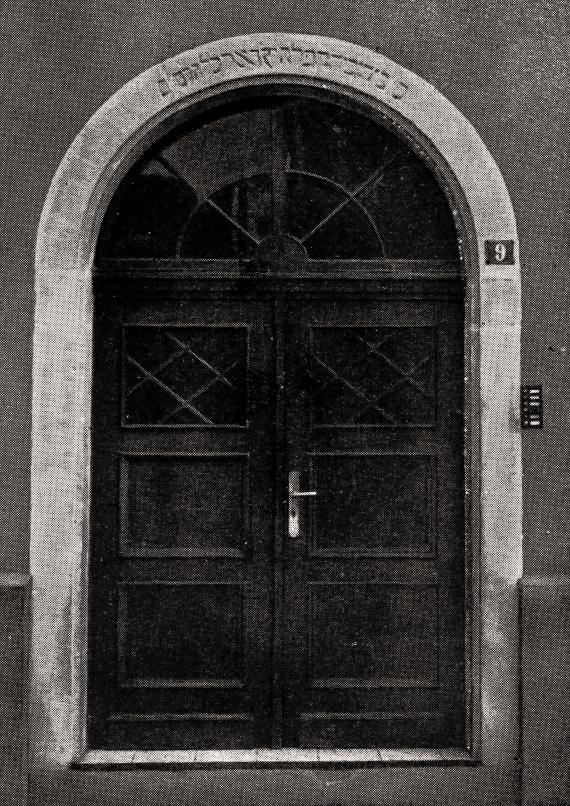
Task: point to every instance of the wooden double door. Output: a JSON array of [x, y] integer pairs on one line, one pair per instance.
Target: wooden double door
[[277, 550]]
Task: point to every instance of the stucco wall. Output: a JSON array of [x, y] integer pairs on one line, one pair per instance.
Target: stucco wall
[[505, 65]]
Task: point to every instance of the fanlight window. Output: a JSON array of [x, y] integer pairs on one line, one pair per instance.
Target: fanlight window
[[275, 185]]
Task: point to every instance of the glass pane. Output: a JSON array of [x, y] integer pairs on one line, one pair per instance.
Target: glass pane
[[185, 376], [327, 222], [147, 214], [411, 212], [240, 182], [232, 222], [334, 142], [373, 376]]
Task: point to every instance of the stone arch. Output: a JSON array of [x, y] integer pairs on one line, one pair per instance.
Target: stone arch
[[101, 154]]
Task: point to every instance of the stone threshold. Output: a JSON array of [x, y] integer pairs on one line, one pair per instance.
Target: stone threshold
[[286, 757]]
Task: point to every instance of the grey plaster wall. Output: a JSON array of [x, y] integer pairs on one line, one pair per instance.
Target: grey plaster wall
[[14, 661], [505, 65], [546, 674]]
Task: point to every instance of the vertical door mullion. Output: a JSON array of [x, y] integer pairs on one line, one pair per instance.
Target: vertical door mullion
[[280, 508], [295, 611]]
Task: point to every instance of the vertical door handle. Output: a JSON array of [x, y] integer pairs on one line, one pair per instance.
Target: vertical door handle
[[294, 494]]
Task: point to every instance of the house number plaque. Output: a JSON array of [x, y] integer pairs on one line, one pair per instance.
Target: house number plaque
[[500, 253]]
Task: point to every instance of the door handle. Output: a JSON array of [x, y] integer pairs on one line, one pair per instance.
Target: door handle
[[294, 494]]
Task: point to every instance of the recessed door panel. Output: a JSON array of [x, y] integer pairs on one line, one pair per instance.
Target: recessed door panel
[[372, 504], [189, 517], [391, 643], [166, 631]]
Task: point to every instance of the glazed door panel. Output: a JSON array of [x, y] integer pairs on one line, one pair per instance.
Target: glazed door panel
[[374, 571], [182, 518]]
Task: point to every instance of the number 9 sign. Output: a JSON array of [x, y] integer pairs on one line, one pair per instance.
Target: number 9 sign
[[499, 253]]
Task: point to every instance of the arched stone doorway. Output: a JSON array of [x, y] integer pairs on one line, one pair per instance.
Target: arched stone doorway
[[116, 137], [279, 297]]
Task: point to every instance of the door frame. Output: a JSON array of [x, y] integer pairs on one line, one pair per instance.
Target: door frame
[[119, 132]]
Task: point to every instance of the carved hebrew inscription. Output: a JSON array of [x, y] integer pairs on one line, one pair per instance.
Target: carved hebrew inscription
[[209, 64]]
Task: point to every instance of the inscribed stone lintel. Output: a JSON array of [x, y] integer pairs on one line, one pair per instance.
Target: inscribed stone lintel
[[280, 56]]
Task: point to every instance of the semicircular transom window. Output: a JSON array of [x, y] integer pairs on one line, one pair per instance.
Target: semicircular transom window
[[279, 185]]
